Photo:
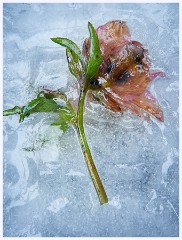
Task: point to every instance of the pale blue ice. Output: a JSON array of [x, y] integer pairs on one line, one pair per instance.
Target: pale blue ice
[[47, 188]]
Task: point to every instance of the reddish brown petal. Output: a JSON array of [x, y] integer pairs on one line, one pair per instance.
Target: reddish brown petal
[[125, 72], [111, 104], [107, 101], [134, 85], [150, 107], [142, 106], [156, 73], [112, 36]]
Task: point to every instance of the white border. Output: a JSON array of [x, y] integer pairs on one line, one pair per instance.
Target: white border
[[180, 120], [1, 119], [90, 1]]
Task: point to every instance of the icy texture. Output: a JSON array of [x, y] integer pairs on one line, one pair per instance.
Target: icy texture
[[47, 188]]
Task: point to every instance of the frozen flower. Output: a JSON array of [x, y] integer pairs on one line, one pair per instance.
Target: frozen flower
[[125, 72]]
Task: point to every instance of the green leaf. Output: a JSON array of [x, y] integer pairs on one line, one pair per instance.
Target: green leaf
[[45, 103], [12, 111], [61, 123], [73, 63], [72, 47], [57, 94], [40, 104], [95, 58], [65, 117]]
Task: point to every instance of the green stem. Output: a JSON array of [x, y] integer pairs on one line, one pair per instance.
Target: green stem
[[86, 151]]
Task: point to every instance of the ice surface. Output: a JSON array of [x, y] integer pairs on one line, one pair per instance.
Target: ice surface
[[47, 188]]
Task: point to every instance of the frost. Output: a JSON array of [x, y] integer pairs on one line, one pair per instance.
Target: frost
[[173, 87], [57, 204], [167, 164], [74, 173], [115, 202]]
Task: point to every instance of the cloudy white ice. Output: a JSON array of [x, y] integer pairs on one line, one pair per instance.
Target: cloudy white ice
[[47, 188]]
